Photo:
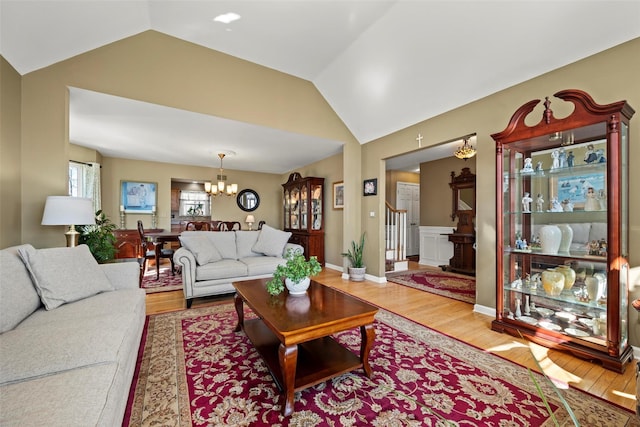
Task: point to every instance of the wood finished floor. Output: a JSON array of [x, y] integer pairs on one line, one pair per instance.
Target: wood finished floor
[[458, 320]]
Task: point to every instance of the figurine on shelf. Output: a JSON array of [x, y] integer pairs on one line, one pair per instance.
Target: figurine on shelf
[[528, 166], [567, 206], [602, 199], [602, 247], [540, 203], [594, 247], [600, 156], [555, 205], [555, 156], [570, 159], [590, 155], [562, 158], [539, 168], [526, 202], [592, 203]]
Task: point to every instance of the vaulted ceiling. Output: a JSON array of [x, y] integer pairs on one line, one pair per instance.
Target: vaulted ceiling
[[382, 65]]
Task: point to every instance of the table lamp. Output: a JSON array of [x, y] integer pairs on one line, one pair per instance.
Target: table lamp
[[71, 211], [250, 220]]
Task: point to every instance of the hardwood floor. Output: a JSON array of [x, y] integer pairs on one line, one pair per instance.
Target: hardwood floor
[[457, 319]]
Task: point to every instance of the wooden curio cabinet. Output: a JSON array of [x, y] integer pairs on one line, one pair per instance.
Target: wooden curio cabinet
[[566, 290], [304, 213]]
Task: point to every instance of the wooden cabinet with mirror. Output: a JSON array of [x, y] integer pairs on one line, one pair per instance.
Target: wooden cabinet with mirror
[[463, 189], [304, 213], [562, 228]]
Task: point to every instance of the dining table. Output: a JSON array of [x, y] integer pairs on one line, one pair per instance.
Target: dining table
[[159, 239]]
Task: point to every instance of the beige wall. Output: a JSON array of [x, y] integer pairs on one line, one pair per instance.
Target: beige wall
[[10, 157], [154, 67], [435, 194], [393, 178]]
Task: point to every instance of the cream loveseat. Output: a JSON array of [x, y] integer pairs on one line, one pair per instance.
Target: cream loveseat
[[212, 260], [70, 330]]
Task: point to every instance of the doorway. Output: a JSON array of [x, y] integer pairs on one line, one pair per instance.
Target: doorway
[[408, 198]]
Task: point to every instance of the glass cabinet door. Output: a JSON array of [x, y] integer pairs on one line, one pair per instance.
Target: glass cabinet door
[[316, 206], [295, 208]]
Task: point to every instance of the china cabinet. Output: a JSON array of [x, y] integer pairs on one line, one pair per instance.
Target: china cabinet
[[562, 228], [304, 213]]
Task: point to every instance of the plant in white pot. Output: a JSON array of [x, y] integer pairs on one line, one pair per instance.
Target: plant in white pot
[[354, 255], [295, 274]]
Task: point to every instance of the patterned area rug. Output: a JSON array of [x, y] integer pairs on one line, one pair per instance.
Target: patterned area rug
[[195, 370], [451, 285], [166, 281]]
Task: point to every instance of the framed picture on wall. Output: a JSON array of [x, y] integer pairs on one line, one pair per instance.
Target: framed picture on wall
[[338, 195], [370, 187], [138, 197]]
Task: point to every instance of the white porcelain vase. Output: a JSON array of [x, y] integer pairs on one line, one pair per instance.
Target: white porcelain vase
[[550, 238], [567, 237], [297, 288]]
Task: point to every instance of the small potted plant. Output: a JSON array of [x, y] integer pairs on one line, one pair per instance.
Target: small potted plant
[[354, 255], [295, 273]]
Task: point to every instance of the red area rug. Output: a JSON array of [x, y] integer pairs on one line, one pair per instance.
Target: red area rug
[[166, 281], [451, 285], [195, 370]]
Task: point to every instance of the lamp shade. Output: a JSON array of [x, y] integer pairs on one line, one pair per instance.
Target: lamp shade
[[67, 210], [250, 219]]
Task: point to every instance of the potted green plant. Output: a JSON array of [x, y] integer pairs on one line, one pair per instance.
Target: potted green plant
[[295, 274], [99, 237], [354, 255]]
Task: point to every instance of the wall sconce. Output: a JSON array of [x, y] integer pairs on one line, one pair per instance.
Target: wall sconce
[[71, 211], [250, 220]]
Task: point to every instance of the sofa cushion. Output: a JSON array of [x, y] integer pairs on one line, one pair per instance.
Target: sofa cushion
[[225, 269], [63, 275], [225, 242], [201, 247], [18, 297], [244, 242], [271, 241], [262, 265], [580, 232]]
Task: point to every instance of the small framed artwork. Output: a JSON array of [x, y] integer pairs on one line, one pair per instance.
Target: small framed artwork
[[138, 197], [584, 192], [338, 195], [370, 187]]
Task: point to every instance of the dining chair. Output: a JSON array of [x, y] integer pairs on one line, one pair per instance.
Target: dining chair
[[229, 226], [149, 251], [198, 225]]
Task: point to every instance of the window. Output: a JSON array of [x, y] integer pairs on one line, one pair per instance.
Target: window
[[76, 182], [194, 203]]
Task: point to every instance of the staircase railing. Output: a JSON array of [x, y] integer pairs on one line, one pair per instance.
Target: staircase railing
[[395, 233]]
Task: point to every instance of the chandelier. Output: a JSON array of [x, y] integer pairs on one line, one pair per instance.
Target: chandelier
[[465, 151], [221, 187]]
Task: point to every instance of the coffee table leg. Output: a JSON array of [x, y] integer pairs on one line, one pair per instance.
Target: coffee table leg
[[368, 334], [240, 310], [288, 360]]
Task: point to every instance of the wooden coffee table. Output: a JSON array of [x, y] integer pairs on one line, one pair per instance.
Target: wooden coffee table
[[292, 334]]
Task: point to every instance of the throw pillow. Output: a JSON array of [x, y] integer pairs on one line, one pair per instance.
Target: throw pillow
[[201, 247], [271, 241], [63, 275]]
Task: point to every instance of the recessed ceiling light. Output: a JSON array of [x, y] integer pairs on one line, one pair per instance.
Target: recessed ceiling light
[[227, 17]]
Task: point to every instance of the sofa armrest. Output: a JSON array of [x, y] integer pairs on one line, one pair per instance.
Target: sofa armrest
[[122, 275], [294, 247], [184, 258]]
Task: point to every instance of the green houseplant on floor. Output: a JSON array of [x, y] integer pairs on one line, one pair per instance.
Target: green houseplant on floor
[[357, 268], [295, 271]]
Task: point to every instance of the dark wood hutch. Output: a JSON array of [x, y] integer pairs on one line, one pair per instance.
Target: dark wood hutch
[[304, 213]]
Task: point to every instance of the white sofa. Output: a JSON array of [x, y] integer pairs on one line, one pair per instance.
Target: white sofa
[[70, 331], [212, 260]]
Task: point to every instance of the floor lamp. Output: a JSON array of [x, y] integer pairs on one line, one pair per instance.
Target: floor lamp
[[71, 211]]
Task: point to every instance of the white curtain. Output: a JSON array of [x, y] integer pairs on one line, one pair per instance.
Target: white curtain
[[91, 187]]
